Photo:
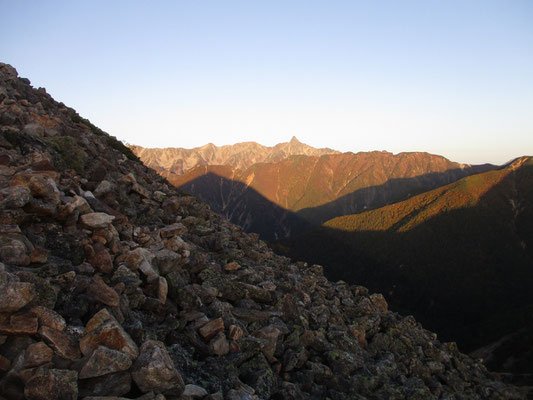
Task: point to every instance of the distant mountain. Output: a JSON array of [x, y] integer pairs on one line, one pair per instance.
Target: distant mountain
[[282, 198], [458, 257], [174, 161]]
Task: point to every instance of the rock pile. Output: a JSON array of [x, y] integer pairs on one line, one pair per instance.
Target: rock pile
[[114, 285]]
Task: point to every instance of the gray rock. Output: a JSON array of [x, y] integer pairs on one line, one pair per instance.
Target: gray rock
[[97, 220], [64, 345], [14, 250], [105, 361], [37, 354], [80, 204], [194, 392], [14, 295], [155, 371], [166, 261], [219, 344], [103, 188], [34, 129], [14, 196]]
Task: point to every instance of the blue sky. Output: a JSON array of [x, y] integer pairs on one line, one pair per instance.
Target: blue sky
[[448, 77]]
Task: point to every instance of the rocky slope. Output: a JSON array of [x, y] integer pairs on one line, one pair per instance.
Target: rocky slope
[[458, 257], [114, 285], [284, 198], [175, 161]]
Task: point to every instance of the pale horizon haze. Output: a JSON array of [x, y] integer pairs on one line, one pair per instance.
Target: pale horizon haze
[[453, 78]]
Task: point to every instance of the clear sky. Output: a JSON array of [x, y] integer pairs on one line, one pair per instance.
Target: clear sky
[[449, 77]]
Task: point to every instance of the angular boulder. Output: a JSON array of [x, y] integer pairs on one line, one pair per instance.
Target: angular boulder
[[97, 220], [105, 361], [155, 371], [104, 330], [13, 294]]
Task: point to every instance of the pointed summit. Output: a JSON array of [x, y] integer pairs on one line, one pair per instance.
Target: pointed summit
[[294, 140]]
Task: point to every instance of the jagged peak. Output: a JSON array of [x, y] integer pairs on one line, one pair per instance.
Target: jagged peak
[[294, 140], [8, 71]]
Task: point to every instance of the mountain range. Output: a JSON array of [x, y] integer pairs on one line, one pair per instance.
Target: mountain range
[[283, 198], [172, 161]]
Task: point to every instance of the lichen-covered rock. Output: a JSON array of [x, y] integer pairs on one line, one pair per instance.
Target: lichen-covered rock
[[166, 261], [37, 354], [219, 344], [62, 343], [14, 294], [379, 302], [104, 330], [15, 250], [105, 361], [49, 318], [42, 186], [100, 291], [52, 384], [18, 324], [258, 374], [173, 230], [14, 196], [155, 371], [271, 334]]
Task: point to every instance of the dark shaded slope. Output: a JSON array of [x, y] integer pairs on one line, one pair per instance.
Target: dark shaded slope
[[458, 257], [319, 188], [243, 205], [391, 191]]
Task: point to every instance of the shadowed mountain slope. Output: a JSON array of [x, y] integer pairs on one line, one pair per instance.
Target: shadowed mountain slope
[[458, 257], [319, 188], [243, 205]]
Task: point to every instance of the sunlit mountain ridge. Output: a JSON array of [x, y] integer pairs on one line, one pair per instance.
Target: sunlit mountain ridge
[[281, 198]]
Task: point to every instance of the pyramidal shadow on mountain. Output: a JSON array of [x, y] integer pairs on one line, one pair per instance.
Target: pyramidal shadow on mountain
[[245, 206], [459, 258]]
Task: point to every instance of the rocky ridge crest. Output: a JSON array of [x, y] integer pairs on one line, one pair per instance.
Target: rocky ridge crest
[[115, 285], [175, 161]]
